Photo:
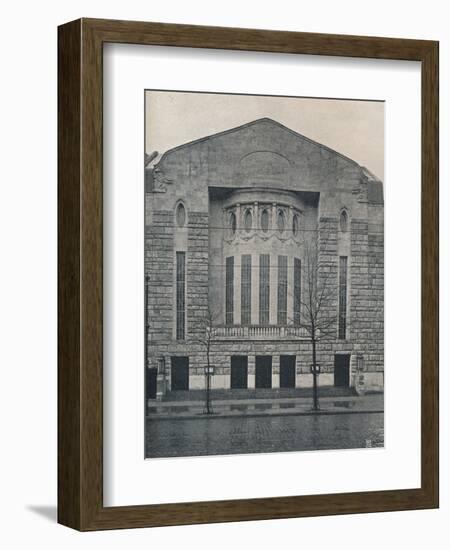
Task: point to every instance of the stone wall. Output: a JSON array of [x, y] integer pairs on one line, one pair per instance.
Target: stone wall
[[197, 275], [159, 267], [331, 182], [375, 345], [327, 287], [360, 322]]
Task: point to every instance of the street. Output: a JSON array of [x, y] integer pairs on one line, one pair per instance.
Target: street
[[264, 434]]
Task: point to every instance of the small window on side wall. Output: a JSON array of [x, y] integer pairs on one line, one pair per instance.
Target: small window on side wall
[[180, 215], [343, 223]]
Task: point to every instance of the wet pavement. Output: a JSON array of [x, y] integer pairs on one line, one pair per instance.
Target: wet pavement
[[265, 433], [262, 407]]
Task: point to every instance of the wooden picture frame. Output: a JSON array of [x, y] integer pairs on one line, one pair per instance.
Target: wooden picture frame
[[80, 272]]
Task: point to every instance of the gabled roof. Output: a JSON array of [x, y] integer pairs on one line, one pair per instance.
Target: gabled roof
[[259, 121]]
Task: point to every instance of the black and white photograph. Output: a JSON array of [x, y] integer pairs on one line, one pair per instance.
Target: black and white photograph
[[264, 274], [224, 277]]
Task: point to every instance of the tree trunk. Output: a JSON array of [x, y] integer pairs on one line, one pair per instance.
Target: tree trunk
[[208, 396], [315, 374], [208, 385]]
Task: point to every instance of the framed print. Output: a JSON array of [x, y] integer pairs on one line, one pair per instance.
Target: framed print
[[248, 274]]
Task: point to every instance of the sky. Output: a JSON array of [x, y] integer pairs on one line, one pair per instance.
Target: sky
[[351, 127]]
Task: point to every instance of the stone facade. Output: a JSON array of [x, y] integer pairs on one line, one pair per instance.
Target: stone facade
[[239, 192]]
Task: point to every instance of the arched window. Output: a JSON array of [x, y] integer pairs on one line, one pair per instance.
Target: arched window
[[248, 221], [265, 220], [295, 225], [281, 221], [232, 222], [180, 215], [343, 223]]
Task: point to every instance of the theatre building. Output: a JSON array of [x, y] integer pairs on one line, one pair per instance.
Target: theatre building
[[231, 220]]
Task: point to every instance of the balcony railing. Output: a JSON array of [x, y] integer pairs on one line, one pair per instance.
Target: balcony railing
[[259, 332]]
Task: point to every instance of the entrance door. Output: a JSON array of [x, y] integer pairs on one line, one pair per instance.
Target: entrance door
[[287, 371], [342, 370], [180, 373], [263, 371], [151, 383], [239, 370]]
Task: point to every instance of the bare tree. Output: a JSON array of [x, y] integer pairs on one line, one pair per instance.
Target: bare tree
[[206, 339], [316, 304]]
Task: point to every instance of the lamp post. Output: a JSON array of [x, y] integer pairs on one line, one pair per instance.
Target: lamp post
[[209, 370]]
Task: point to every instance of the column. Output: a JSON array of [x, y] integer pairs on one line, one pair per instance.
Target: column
[[251, 371], [289, 220], [273, 226], [255, 220], [275, 371], [238, 219]]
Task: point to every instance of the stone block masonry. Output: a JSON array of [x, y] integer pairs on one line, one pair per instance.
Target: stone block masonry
[[270, 169], [197, 275], [159, 267]]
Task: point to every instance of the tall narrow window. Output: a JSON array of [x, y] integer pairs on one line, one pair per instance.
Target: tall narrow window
[[232, 221], [248, 220], [343, 222], [297, 290], [281, 221], [264, 289], [246, 289], [229, 291], [265, 220], [282, 290], [181, 215], [181, 295], [342, 329]]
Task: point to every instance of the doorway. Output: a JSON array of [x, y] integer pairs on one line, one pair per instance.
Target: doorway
[[151, 383], [342, 370], [239, 371], [287, 371], [263, 371], [179, 378]]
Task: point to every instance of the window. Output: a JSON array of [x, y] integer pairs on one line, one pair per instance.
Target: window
[[282, 290], [295, 225], [248, 221], [232, 223], [264, 289], [342, 328], [297, 290], [181, 295], [246, 289], [343, 222], [229, 291], [181, 215], [281, 221], [265, 221]]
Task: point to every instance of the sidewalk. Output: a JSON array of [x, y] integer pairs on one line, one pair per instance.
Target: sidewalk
[[373, 403]]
